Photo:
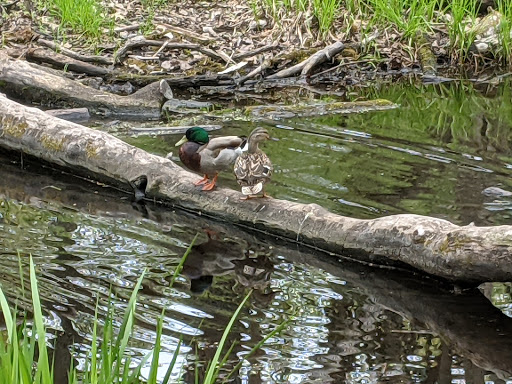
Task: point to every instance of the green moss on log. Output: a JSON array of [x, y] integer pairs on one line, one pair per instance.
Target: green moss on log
[[14, 127], [52, 144], [91, 150]]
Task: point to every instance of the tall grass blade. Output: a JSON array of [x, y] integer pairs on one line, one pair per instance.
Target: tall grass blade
[[212, 369], [179, 268], [8, 318], [172, 363], [153, 371], [43, 366], [126, 328]]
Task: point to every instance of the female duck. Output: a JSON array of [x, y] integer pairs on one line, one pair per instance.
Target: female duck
[[253, 168], [208, 156]]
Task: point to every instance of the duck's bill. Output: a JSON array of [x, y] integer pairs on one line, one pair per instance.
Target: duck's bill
[[183, 140]]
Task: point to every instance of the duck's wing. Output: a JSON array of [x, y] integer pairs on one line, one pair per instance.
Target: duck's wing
[[251, 169], [220, 152], [219, 143]]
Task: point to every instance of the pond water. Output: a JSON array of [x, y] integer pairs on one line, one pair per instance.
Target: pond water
[[445, 152]]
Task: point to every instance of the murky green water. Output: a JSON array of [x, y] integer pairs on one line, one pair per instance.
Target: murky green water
[[349, 323], [435, 155]]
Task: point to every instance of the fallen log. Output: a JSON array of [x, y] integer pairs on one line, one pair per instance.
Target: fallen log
[[34, 83], [68, 52], [467, 254], [305, 67], [58, 60]]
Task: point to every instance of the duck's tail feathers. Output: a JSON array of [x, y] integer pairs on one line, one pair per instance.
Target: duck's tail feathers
[[252, 189]]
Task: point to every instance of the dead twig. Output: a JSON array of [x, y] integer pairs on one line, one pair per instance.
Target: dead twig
[[60, 61], [67, 52], [254, 72], [184, 32], [305, 67], [141, 41], [266, 48], [127, 28]]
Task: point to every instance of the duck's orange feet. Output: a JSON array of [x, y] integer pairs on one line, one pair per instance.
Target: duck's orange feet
[[209, 186], [204, 180]]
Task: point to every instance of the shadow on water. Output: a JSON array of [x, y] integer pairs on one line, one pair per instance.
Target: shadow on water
[[350, 323]]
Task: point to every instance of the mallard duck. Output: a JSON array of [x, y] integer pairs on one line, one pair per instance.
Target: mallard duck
[[253, 168], [208, 156]]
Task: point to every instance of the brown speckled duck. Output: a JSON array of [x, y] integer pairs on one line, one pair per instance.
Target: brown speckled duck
[[208, 156], [253, 168]]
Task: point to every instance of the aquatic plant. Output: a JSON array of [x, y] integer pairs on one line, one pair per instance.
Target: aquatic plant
[[25, 350]]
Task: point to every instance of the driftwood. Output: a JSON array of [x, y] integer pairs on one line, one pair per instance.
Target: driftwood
[[276, 111], [68, 52], [170, 130], [306, 66], [141, 41], [59, 61], [470, 254], [177, 82], [34, 83], [255, 72]]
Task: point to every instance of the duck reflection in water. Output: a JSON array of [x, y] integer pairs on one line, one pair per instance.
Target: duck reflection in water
[[220, 256]]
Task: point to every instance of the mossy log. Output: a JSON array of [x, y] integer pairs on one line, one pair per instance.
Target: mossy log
[[36, 83], [468, 254]]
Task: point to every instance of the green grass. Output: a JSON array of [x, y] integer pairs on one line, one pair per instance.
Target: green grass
[[410, 18], [505, 8], [463, 13], [87, 17], [25, 360], [325, 11]]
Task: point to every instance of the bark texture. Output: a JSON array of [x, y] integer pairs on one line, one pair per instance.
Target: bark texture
[[470, 254]]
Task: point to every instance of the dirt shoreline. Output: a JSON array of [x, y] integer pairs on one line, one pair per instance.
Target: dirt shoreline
[[230, 40]]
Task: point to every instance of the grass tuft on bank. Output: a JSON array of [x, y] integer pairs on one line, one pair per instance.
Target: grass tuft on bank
[[87, 17], [410, 20]]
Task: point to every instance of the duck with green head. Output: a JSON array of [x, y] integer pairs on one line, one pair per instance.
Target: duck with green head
[[253, 168], [208, 156]]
